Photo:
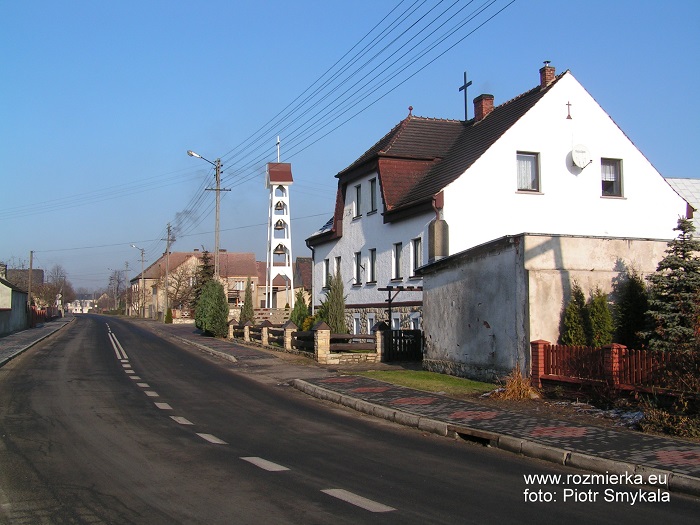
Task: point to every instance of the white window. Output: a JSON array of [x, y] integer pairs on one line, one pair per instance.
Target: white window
[[371, 321], [415, 321], [395, 321], [326, 272], [372, 262], [528, 172], [416, 255], [611, 176], [356, 324], [358, 268], [357, 205], [372, 195], [396, 266]]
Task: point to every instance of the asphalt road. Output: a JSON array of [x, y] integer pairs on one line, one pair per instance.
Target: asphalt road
[[107, 423]]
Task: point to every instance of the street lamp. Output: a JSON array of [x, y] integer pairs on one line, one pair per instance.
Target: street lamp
[[218, 190], [143, 290]]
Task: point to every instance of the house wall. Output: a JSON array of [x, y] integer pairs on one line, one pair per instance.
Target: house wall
[[474, 312], [362, 234], [484, 204], [482, 307], [13, 310]]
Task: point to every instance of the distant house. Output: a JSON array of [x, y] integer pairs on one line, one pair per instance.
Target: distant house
[[689, 189], [82, 304], [181, 267], [13, 305], [548, 172]]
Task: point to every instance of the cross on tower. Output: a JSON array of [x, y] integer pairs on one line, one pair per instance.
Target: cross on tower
[[464, 87]]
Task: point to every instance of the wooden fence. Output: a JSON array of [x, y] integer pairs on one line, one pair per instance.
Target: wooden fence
[[614, 365]]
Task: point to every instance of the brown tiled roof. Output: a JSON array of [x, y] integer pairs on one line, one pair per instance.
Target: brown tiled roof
[[279, 172], [474, 141], [420, 156], [230, 264], [303, 268]]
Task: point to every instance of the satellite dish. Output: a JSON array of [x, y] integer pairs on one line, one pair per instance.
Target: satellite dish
[[581, 156]]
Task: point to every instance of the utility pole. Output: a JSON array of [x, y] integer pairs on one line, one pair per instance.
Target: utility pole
[[141, 286], [218, 190], [126, 285], [167, 272], [31, 271]]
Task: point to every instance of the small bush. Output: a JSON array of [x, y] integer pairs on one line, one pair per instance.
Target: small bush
[[517, 386], [169, 316]]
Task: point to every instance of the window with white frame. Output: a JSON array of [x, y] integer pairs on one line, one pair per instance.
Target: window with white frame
[[371, 321], [337, 266], [395, 321], [357, 205], [372, 263], [415, 321], [356, 324], [528, 171], [372, 195], [326, 272], [396, 261], [416, 255], [611, 177], [358, 268]]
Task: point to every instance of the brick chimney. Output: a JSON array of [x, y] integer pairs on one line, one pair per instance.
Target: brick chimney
[[483, 105], [547, 74]]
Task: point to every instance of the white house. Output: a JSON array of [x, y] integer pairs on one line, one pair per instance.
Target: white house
[[549, 161]]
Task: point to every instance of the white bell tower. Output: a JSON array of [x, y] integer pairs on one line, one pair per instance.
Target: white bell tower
[[279, 232]]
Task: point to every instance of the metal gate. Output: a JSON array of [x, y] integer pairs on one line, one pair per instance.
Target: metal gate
[[403, 345]]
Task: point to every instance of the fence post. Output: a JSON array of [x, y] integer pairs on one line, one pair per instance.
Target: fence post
[[322, 342], [611, 364], [246, 331], [264, 333], [289, 329], [537, 362], [379, 330], [230, 330]]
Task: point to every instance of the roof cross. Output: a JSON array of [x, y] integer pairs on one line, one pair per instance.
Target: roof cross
[[464, 87]]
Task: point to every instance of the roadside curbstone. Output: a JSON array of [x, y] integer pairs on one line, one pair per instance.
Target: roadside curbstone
[[685, 484], [536, 450], [598, 464], [431, 425]]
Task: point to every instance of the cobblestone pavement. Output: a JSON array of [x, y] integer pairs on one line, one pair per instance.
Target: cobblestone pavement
[[617, 446]]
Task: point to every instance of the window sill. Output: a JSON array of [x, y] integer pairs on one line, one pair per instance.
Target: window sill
[[371, 212], [371, 283], [614, 197], [529, 192], [415, 278], [357, 285], [357, 217], [397, 280]]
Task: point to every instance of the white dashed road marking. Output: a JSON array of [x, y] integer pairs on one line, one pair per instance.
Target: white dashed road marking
[[265, 464], [143, 385], [137, 378], [151, 393], [358, 501], [164, 406], [212, 439], [181, 420]]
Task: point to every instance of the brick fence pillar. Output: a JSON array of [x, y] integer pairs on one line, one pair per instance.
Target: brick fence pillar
[[537, 350], [265, 333], [379, 330], [246, 331], [611, 363], [289, 329], [322, 342]]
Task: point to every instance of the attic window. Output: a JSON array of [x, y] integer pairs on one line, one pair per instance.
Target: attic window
[[528, 171], [611, 177]]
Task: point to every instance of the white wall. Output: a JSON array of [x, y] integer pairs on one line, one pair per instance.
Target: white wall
[[484, 204], [360, 235]]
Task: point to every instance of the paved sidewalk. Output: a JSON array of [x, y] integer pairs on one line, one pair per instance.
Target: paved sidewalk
[[592, 448], [14, 344]]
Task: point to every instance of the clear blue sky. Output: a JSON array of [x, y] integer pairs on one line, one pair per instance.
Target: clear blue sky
[[101, 100]]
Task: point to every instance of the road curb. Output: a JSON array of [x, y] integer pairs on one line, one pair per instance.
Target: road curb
[[222, 355], [6, 360], [676, 482]]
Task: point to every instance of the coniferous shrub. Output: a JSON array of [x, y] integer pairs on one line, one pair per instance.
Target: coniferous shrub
[[630, 310], [212, 310], [573, 332], [674, 307], [169, 316], [334, 306], [247, 312], [599, 322], [300, 311]]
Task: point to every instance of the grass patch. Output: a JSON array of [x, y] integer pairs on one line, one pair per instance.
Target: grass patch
[[430, 381]]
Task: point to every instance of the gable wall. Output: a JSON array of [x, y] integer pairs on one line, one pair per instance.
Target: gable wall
[[484, 203]]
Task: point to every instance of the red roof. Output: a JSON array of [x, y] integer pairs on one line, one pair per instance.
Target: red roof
[[279, 172]]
